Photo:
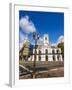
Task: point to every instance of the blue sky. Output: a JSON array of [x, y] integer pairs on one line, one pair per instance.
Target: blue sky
[[51, 23]]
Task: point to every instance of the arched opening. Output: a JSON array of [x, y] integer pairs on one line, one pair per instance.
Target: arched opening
[[46, 51], [53, 51], [39, 55], [39, 52], [53, 58], [57, 51], [46, 57], [36, 52], [39, 58], [58, 57], [45, 38]]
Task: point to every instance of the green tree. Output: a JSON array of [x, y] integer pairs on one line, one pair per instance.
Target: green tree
[[61, 45]]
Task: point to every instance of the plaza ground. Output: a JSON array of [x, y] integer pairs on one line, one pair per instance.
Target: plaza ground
[[43, 70]]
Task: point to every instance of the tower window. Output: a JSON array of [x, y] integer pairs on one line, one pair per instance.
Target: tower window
[[45, 38]]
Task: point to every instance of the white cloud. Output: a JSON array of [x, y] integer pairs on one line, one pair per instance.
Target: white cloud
[[60, 39], [21, 36], [54, 44], [26, 25], [24, 39], [20, 45]]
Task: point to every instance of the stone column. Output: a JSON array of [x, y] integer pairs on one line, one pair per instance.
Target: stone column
[[33, 58], [37, 57], [60, 58], [56, 58]]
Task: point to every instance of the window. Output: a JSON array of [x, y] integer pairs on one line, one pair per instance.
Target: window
[[46, 51], [35, 52], [58, 57], [46, 58], [57, 51], [39, 52], [39, 55], [39, 58], [45, 38], [53, 51], [53, 58]]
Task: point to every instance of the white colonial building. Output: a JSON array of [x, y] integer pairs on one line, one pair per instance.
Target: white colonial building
[[46, 52]]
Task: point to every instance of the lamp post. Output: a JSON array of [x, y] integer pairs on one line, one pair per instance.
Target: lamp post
[[35, 37]]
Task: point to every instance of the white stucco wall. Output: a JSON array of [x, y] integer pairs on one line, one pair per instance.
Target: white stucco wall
[[50, 55]]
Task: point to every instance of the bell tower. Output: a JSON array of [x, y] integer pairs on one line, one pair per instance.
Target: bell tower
[[46, 40]]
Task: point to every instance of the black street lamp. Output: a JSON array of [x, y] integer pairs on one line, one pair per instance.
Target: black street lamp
[[35, 37]]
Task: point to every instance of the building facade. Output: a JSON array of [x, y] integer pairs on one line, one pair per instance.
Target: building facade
[[46, 52]]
